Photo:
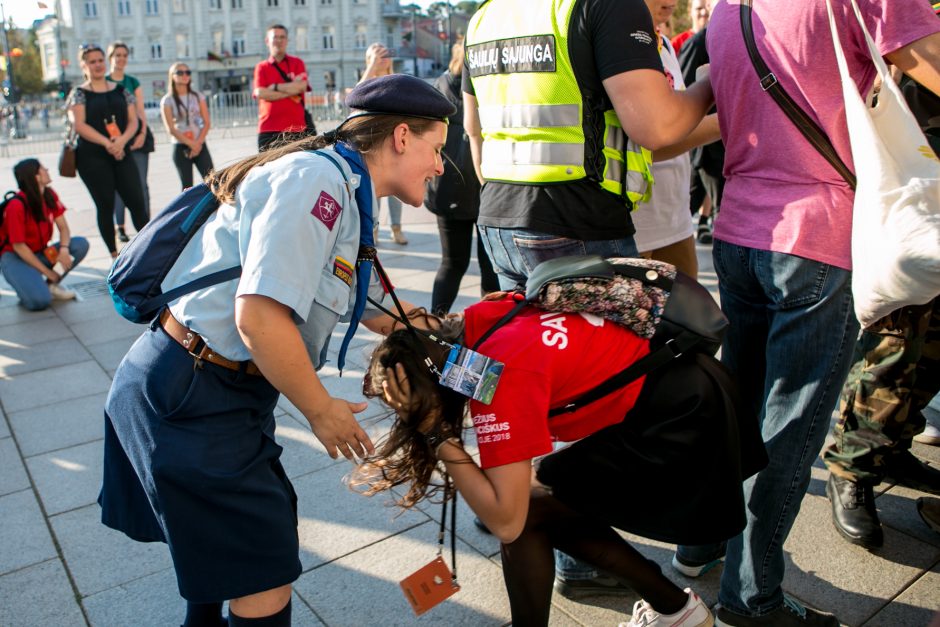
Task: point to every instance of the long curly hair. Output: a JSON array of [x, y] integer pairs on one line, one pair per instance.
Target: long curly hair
[[404, 456]]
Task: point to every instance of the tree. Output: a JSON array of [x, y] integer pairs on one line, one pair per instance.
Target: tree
[[467, 7], [27, 69]]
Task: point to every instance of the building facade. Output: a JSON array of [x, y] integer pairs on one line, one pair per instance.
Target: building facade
[[221, 40]]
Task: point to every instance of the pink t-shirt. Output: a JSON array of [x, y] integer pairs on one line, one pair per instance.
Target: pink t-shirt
[[781, 195]]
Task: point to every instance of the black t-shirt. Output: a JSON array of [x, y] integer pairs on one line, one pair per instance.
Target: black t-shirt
[[601, 44]]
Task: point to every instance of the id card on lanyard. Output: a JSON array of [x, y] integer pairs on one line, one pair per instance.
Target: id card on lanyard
[[112, 128]]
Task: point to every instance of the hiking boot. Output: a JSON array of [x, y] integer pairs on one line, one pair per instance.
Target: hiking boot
[[790, 614], [694, 569], [60, 293], [704, 232], [905, 469], [122, 235], [694, 614], [929, 510], [854, 513], [602, 585]]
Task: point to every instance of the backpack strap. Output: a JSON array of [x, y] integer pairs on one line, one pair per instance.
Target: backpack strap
[[660, 357], [209, 280]]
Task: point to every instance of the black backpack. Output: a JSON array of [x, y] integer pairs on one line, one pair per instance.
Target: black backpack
[[651, 298]]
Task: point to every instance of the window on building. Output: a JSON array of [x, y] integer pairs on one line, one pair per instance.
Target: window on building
[[153, 7], [328, 33], [179, 6], [237, 4], [326, 1], [182, 46], [390, 39], [91, 8], [238, 44], [273, 3], [215, 5], [361, 36], [300, 38], [124, 7], [300, 3], [217, 41], [48, 58], [156, 50]]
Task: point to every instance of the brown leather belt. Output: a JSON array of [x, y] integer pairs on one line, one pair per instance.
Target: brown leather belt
[[197, 347]]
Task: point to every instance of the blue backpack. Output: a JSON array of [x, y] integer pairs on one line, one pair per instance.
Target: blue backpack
[[136, 278]]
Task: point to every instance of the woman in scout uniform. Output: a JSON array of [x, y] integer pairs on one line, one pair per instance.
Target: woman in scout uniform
[[657, 457], [190, 456]]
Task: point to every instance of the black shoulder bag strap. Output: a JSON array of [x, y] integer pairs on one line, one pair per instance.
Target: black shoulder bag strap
[[277, 67], [768, 82]]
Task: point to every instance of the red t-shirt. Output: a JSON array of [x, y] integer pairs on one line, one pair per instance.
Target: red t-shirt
[[679, 40], [21, 228], [550, 359], [287, 114]]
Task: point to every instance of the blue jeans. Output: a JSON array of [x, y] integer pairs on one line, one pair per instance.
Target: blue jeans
[[515, 252], [789, 344], [28, 282]]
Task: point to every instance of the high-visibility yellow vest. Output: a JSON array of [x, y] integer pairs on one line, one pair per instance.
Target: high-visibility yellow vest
[[534, 124]]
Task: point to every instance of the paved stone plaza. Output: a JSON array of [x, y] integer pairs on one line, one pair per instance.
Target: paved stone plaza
[[60, 566]]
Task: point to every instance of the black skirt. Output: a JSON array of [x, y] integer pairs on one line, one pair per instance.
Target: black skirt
[[673, 469]]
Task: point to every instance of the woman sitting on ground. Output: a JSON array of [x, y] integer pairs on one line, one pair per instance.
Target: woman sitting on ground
[[27, 260], [659, 457]]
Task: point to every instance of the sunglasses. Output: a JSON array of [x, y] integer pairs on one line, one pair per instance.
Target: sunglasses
[[183, 72], [86, 48]]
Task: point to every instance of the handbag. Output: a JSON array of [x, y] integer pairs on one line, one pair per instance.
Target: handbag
[[896, 220], [67, 156]]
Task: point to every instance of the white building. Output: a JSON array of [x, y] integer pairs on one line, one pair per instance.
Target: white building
[[331, 36]]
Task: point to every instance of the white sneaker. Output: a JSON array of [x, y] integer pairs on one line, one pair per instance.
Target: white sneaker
[[930, 435], [60, 293], [694, 614]]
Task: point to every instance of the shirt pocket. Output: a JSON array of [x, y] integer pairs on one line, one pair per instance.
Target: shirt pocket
[[333, 291]]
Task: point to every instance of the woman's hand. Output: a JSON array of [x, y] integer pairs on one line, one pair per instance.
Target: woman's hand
[[336, 428], [65, 258], [115, 149], [138, 141], [195, 148], [52, 276]]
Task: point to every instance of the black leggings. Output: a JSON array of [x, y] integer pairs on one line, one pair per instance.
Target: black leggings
[[184, 165], [102, 174], [456, 244]]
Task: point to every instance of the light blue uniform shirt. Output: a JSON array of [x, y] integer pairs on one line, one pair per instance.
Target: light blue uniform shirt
[[294, 228]]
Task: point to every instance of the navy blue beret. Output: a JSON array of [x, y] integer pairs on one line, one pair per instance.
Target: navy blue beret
[[400, 94]]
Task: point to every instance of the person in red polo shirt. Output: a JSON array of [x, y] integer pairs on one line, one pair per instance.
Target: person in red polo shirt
[[280, 84]]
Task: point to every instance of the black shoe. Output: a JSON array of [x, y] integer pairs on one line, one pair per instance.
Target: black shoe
[[929, 510], [906, 470], [854, 513], [602, 585], [790, 614], [704, 233], [122, 235]]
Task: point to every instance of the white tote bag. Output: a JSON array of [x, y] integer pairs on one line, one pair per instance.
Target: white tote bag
[[896, 221]]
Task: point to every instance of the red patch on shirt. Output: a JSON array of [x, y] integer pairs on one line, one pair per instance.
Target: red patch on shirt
[[326, 210]]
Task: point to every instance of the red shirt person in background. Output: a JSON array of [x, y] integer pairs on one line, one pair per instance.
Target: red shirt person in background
[[699, 12], [27, 261], [280, 84]]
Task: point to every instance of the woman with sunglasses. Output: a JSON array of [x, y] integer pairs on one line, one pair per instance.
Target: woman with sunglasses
[[27, 259], [104, 115], [186, 118], [190, 454], [142, 144], [658, 457]]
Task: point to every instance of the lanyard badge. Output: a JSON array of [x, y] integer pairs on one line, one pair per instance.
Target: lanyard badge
[[471, 373]]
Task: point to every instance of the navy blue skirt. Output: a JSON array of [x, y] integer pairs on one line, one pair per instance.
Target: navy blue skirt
[[190, 460]]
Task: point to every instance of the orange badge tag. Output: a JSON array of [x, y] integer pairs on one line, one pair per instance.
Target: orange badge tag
[[112, 128], [51, 253], [428, 586], [188, 135]]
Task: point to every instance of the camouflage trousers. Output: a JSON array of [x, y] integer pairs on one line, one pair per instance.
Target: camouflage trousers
[[895, 374]]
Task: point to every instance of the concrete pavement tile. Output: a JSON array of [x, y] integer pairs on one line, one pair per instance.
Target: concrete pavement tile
[[53, 427], [24, 528], [829, 573], [335, 521], [89, 308], [100, 558], [104, 329], [18, 359], [303, 453], [917, 605], [33, 389], [897, 508], [362, 588], [110, 354], [927, 453], [4, 428], [68, 478], [11, 313], [39, 595], [31, 333], [12, 474], [150, 600]]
